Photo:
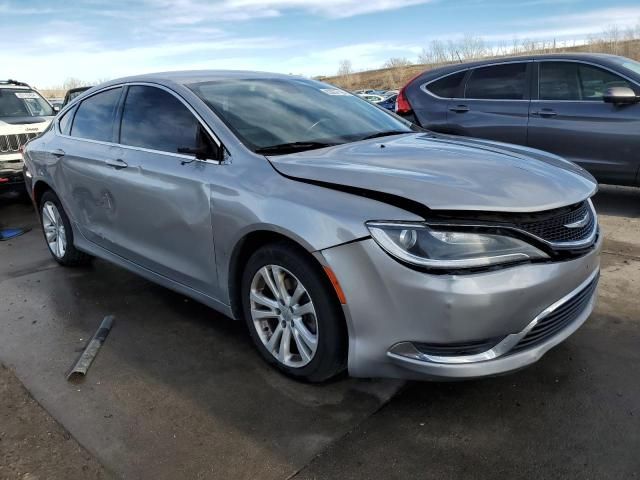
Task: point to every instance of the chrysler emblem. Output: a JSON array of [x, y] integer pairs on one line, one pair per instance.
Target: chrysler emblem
[[580, 223]]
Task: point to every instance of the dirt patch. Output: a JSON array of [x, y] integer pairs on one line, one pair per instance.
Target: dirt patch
[[32, 445]]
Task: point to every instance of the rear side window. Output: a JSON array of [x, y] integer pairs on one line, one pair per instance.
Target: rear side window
[[65, 122], [155, 119], [94, 117], [498, 82], [576, 81], [447, 87]]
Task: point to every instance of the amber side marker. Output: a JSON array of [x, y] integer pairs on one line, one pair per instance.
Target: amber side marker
[[336, 285]]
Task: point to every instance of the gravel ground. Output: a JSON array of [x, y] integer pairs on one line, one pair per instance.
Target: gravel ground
[[33, 445]]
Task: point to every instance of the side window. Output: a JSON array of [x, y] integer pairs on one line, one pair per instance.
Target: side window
[[447, 87], [498, 82], [594, 82], [559, 81], [65, 122], [155, 119], [94, 117]]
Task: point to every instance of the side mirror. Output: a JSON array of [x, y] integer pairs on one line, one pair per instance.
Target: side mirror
[[56, 108], [206, 148], [620, 96]]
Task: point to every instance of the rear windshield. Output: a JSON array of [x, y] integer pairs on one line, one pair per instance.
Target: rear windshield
[[23, 103], [268, 112]]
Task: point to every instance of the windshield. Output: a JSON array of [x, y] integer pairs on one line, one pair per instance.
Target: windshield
[[629, 64], [23, 103], [270, 113]]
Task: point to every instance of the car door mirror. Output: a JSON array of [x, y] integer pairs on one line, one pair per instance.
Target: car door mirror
[[620, 96], [206, 148]]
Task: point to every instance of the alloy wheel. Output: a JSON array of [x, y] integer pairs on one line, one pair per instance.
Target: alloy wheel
[[54, 229], [284, 316]]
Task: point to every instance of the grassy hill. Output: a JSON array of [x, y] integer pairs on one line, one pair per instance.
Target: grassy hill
[[396, 77]]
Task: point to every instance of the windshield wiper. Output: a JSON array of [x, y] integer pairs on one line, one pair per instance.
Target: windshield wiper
[[293, 147], [386, 133]]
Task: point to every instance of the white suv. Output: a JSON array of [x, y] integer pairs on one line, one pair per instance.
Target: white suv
[[24, 114]]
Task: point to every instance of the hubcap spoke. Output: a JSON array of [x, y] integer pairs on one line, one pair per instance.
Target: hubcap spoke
[[268, 279], [302, 348], [300, 310], [285, 345], [274, 339], [309, 338], [264, 301], [278, 275]]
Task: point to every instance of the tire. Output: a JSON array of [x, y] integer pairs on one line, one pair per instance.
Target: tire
[[57, 230], [267, 316]]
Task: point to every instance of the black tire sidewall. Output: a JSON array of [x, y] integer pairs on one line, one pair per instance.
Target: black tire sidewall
[[330, 356]]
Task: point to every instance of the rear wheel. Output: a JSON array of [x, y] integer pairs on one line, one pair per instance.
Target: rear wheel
[[292, 313], [57, 232]]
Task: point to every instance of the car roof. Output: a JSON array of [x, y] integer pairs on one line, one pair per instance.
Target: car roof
[[198, 76], [599, 58]]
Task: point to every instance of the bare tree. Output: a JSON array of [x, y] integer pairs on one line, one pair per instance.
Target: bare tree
[[345, 68], [396, 62]]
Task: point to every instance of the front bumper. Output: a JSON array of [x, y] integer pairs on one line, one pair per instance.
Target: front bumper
[[11, 176], [391, 307]]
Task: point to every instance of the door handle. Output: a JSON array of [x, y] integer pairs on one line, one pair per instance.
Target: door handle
[[117, 163], [545, 113], [58, 153], [459, 109]]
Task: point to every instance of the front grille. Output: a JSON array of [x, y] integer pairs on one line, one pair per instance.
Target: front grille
[[554, 229], [557, 320], [12, 143]]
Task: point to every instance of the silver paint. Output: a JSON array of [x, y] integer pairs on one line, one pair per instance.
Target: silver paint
[[180, 224]]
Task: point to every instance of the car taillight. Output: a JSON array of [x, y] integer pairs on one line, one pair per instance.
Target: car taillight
[[402, 104]]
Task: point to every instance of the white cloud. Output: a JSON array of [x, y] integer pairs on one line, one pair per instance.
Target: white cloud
[[195, 11]]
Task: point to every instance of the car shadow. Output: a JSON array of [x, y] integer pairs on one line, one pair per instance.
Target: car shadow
[[618, 201]]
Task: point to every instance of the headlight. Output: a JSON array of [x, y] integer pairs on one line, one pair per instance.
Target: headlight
[[434, 247]]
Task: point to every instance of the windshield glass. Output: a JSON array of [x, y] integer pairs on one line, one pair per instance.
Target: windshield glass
[[23, 103], [267, 113], [629, 64]]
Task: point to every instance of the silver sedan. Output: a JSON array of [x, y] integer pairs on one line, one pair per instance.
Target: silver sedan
[[344, 236]]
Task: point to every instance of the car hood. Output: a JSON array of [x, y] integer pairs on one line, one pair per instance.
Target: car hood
[[443, 172]]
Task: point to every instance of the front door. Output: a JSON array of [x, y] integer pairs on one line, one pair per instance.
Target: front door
[[570, 119], [161, 214]]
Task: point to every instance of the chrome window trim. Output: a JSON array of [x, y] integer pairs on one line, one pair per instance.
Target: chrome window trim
[[408, 350], [424, 88], [59, 133], [585, 62]]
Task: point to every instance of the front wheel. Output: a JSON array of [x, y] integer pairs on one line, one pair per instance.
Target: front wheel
[[293, 314]]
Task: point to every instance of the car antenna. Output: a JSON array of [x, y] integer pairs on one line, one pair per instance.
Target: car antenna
[[459, 57]]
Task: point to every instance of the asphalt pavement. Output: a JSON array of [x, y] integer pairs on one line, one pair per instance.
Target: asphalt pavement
[[177, 391]]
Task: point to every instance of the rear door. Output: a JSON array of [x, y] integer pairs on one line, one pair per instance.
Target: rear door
[[161, 215], [494, 104], [85, 150], [568, 117]]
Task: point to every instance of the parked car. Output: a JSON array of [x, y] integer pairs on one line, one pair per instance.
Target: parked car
[[371, 98], [24, 114], [583, 107], [388, 102], [344, 236], [73, 93]]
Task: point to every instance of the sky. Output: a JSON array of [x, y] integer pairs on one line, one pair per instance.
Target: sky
[[46, 42]]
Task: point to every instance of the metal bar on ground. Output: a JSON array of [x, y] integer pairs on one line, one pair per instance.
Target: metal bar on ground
[[86, 358]]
